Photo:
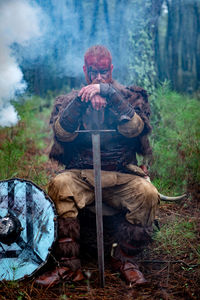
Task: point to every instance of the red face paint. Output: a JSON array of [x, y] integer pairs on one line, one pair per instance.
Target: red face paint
[[98, 70]]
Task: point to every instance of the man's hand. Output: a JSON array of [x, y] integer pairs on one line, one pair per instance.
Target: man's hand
[[87, 92], [91, 93], [98, 102]]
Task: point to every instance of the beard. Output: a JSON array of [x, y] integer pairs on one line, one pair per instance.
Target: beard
[[98, 81]]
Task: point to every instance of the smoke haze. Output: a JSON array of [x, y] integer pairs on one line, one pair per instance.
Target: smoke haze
[[73, 26], [18, 24], [51, 37]]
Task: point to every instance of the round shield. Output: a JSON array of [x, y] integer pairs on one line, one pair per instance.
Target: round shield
[[27, 228]]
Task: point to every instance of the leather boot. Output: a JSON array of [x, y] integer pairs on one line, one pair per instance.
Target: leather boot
[[131, 241], [128, 269], [66, 253]]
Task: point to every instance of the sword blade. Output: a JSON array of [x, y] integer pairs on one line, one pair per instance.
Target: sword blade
[[98, 204]]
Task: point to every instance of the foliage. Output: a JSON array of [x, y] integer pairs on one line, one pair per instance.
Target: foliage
[[21, 147], [175, 140], [176, 237], [141, 62]]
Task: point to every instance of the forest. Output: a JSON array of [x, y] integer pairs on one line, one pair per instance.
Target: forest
[[155, 44], [158, 41]]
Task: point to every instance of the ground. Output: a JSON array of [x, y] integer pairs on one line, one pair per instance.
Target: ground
[[171, 273]]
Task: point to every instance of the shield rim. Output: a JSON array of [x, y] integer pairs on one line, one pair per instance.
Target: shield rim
[[55, 224]]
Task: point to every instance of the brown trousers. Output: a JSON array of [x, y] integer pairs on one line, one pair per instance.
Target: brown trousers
[[74, 189]]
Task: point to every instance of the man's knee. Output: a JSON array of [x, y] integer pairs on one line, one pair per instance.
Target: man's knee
[[61, 180], [147, 191], [151, 193], [142, 205], [59, 185], [62, 195]]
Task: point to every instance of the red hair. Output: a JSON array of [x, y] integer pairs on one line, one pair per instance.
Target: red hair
[[99, 52]]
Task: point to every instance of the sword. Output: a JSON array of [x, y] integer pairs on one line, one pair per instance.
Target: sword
[[98, 188], [98, 203]]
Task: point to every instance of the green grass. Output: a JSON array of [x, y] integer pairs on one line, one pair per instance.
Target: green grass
[[22, 146], [175, 140], [176, 238]]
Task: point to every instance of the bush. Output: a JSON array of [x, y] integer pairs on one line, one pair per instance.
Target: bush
[[175, 140]]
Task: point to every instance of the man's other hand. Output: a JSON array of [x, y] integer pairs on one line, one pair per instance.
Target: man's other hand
[[91, 93], [87, 92]]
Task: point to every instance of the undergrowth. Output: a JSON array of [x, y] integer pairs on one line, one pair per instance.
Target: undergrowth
[[175, 141], [22, 146], [177, 237]]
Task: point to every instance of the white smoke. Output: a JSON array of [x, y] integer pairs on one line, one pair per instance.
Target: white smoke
[[8, 116], [19, 22]]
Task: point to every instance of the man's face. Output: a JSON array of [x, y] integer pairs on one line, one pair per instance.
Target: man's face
[[98, 70]]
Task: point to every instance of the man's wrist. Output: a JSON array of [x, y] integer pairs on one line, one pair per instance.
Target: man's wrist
[[70, 117], [116, 102], [106, 90]]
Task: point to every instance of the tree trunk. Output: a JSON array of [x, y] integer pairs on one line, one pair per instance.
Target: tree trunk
[[181, 60]]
